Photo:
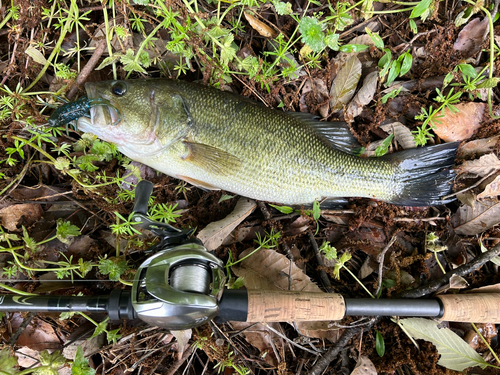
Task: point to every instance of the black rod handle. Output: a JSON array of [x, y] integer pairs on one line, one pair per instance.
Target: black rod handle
[[118, 304], [143, 191], [13, 303]]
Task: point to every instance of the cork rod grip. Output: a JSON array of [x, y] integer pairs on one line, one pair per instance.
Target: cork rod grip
[[473, 307], [282, 306]]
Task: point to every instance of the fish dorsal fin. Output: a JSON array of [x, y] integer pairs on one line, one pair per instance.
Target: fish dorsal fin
[[211, 159], [337, 133]]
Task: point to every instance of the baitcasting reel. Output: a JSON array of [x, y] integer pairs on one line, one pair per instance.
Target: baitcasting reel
[[180, 285]]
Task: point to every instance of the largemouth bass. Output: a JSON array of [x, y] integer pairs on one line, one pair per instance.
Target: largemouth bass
[[218, 140]]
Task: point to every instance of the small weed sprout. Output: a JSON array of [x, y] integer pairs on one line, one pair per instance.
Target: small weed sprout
[[340, 262], [433, 244]]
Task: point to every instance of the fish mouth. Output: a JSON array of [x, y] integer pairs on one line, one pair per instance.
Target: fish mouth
[[102, 112]]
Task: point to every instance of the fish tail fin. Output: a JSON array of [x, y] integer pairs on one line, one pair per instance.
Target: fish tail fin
[[426, 175]]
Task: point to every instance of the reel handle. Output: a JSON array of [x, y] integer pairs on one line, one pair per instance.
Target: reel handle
[[143, 191]]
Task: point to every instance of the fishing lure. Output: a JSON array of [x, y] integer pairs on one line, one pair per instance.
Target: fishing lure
[[74, 110]]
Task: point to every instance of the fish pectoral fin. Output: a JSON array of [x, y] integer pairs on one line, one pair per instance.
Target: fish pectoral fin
[[337, 133], [211, 159], [200, 184]]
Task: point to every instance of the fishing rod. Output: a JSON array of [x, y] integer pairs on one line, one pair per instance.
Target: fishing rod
[[181, 286]]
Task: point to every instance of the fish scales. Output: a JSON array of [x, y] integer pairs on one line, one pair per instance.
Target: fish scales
[[220, 140]]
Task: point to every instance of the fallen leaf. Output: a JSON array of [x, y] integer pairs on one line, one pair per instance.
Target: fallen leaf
[[467, 198], [469, 221], [26, 357], [478, 147], [318, 88], [39, 335], [36, 55], [364, 367], [20, 214], [481, 167], [345, 83], [240, 234], [259, 26], [213, 234], [470, 39], [491, 190], [363, 97], [269, 270], [455, 353], [367, 268], [461, 125], [183, 338], [402, 134], [458, 282], [299, 225]]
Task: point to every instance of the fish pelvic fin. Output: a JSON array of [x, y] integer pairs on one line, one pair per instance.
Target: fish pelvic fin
[[211, 159], [426, 174], [198, 183]]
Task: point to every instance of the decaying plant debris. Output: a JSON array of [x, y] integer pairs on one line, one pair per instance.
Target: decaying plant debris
[[392, 70]]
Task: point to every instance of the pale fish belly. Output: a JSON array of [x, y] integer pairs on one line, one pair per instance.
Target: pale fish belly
[[292, 181]]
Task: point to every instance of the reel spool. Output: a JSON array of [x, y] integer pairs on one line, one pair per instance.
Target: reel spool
[[179, 287]]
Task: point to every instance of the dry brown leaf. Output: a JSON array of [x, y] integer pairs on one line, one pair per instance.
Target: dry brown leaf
[[491, 190], [26, 357], [461, 125], [478, 147], [469, 221], [345, 83], [259, 26], [318, 88], [402, 134], [214, 234], [39, 335], [367, 268], [363, 97], [20, 214], [269, 270], [470, 39], [482, 166], [262, 338], [364, 367]]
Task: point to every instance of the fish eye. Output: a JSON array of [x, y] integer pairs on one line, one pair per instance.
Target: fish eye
[[119, 89]]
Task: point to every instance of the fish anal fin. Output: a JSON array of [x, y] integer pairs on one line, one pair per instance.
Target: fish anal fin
[[198, 183], [211, 159]]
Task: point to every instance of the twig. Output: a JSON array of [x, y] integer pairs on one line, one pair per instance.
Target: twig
[[332, 353], [88, 68], [417, 219], [460, 271], [380, 259], [322, 274], [264, 210], [472, 186]]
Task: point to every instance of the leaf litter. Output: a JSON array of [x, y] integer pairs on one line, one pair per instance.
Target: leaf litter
[[362, 228]]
